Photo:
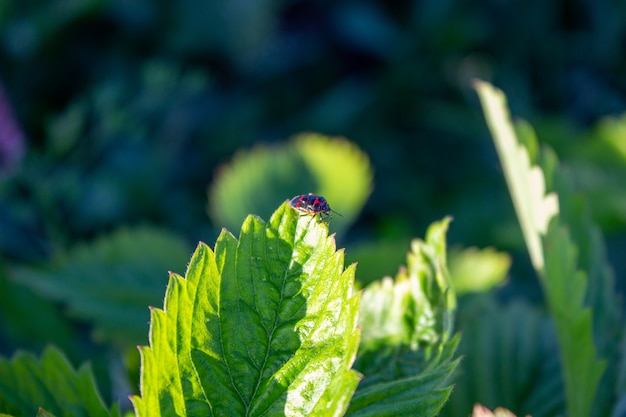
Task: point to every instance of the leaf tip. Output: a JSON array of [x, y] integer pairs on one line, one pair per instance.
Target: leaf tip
[[202, 245]]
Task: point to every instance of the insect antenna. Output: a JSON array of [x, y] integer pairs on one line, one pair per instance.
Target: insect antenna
[[336, 212]]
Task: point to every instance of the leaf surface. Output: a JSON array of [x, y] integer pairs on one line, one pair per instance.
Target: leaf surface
[[407, 352], [531, 176], [263, 325], [526, 181], [510, 359]]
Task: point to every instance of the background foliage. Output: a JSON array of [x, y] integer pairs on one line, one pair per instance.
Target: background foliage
[[117, 119]]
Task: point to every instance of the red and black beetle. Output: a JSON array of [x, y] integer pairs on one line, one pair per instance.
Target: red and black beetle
[[312, 204]]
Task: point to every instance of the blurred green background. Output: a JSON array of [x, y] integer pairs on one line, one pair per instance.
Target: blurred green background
[[118, 114]]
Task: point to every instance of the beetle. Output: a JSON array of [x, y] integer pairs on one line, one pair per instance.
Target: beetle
[[312, 204]]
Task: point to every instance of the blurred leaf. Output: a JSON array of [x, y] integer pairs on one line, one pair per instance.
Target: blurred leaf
[[565, 287], [111, 281], [600, 294], [595, 163], [599, 168], [477, 270], [510, 359], [612, 131], [264, 325], [28, 321], [526, 182], [602, 184], [553, 252], [258, 180], [619, 404], [28, 385], [591, 180], [406, 353], [341, 171]]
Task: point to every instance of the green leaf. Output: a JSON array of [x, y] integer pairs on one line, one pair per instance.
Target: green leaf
[[477, 270], [28, 385], [565, 287], [599, 161], [553, 252], [258, 180], [341, 170], [31, 322], [406, 353], [420, 395], [110, 281], [510, 360], [263, 325], [526, 182], [612, 131]]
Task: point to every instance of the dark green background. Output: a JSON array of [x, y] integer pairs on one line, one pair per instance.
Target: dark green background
[[128, 109]]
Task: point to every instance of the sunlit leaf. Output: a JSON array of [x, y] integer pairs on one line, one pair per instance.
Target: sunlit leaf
[[475, 270], [553, 252], [258, 180], [263, 325], [526, 182], [406, 353]]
